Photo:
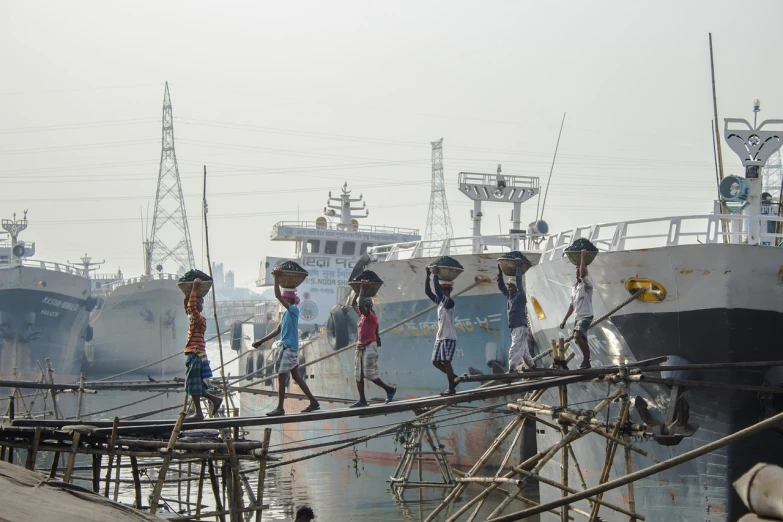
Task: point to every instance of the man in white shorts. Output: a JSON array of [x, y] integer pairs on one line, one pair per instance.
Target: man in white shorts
[[517, 320], [365, 359]]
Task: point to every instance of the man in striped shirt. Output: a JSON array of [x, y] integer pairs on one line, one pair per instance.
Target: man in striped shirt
[[195, 353]]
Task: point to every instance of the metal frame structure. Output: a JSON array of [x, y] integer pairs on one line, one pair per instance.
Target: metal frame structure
[[170, 222], [438, 217]]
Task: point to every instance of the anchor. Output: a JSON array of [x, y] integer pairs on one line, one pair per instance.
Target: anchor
[[676, 426]]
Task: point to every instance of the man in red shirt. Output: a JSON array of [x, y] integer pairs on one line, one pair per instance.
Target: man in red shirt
[[195, 354], [365, 360]]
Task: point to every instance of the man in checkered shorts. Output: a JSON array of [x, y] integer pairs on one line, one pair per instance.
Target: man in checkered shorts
[[446, 339]]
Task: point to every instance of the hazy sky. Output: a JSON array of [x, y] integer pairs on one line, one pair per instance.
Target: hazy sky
[[284, 101]]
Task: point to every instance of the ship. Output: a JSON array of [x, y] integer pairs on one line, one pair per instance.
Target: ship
[[44, 311], [138, 321], [399, 257], [714, 294]]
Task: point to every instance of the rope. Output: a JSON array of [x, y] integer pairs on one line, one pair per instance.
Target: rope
[[599, 320]]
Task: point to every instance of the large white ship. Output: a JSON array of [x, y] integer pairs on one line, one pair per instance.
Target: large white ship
[[714, 295], [44, 310], [140, 320]]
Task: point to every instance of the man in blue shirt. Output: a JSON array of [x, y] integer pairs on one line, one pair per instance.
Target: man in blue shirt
[[517, 320], [287, 356]]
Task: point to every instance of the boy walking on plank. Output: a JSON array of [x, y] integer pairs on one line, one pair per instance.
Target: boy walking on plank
[[287, 357], [195, 354]]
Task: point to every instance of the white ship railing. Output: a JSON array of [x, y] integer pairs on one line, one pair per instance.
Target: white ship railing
[[457, 246], [669, 231], [45, 265], [374, 229], [140, 279]]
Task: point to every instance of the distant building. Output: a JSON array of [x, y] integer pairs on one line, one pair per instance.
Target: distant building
[[228, 281]]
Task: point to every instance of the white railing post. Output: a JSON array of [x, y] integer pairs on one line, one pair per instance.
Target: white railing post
[[673, 237]]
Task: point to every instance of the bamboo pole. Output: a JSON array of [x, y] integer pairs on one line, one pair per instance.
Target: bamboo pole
[[55, 463], [96, 473], [117, 478], [216, 491], [137, 482], [205, 210], [167, 457], [33, 452], [262, 471], [81, 395], [564, 452], [235, 499], [200, 492], [112, 441], [611, 451], [52, 392], [71, 457]]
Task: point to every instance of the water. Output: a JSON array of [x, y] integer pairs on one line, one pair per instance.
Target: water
[[344, 486]]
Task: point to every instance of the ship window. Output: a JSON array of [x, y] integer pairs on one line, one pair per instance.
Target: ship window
[[312, 246], [331, 247], [349, 248], [365, 247]]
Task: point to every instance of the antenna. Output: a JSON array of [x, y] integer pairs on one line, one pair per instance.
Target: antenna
[[438, 218], [170, 239]]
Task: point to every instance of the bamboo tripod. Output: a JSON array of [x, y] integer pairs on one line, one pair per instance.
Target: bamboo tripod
[[421, 431], [511, 478]]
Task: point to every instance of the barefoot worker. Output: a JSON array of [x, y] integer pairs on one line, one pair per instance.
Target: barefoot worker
[[446, 338], [365, 360], [517, 320], [582, 304], [287, 356], [196, 354]]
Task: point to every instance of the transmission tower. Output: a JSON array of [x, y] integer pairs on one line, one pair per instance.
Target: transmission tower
[[170, 239], [438, 219], [772, 175]]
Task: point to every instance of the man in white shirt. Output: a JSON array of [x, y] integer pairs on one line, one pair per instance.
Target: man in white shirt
[[582, 304]]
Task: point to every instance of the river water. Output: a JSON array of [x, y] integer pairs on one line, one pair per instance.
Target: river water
[[338, 487]]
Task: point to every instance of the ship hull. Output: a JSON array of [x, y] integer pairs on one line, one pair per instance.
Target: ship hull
[[405, 361], [724, 303], [42, 316], [141, 322]]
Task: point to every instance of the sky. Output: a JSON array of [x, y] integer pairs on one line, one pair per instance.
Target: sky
[[285, 101]]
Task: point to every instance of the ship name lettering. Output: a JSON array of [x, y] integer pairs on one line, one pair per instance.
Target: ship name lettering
[[50, 313], [51, 301]]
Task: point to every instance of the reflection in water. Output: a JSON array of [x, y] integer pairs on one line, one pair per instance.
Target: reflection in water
[[339, 487]]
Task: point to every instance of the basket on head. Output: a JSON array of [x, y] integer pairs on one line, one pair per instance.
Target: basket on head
[[575, 256], [508, 265], [447, 273], [370, 288], [202, 287], [291, 278]]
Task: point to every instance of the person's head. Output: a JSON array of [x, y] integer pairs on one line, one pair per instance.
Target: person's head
[[511, 284], [290, 297], [446, 286], [304, 514], [365, 305]]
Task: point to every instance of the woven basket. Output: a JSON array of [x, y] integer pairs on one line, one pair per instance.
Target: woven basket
[[576, 256], [201, 290], [446, 273], [370, 289], [290, 278], [509, 266]]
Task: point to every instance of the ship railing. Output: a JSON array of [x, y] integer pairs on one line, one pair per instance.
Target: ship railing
[[45, 265], [141, 279], [457, 246], [670, 231], [374, 229]]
